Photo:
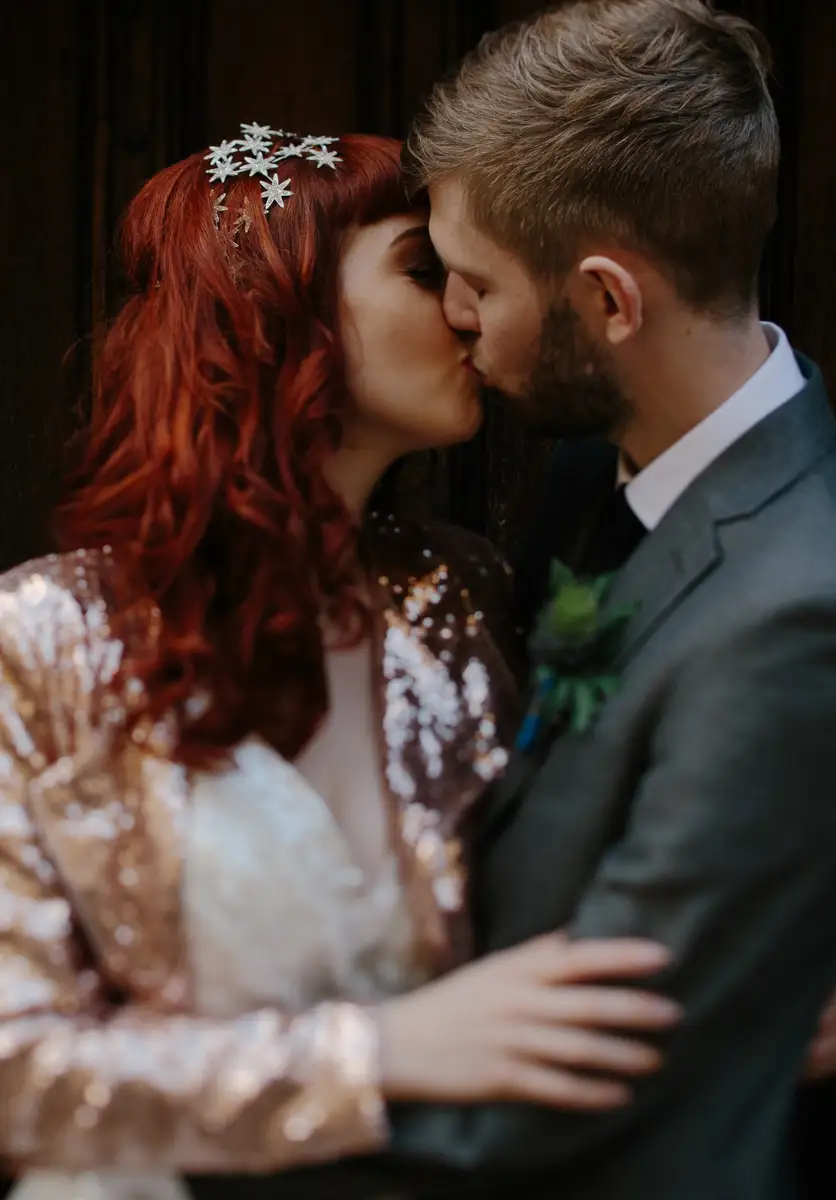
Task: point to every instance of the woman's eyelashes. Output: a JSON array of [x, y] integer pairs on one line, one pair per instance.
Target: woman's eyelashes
[[428, 272]]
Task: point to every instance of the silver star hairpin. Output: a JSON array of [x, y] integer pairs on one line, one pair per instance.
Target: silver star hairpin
[[324, 158], [225, 150], [261, 131], [255, 145], [259, 165], [221, 170], [275, 192], [217, 208], [259, 151]]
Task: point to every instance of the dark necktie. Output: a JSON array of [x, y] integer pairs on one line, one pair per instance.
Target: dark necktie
[[611, 537]]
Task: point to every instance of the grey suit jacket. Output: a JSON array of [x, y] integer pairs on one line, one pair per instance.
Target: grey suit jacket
[[701, 811]]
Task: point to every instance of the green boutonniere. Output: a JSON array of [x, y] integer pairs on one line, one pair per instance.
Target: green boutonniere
[[573, 647]]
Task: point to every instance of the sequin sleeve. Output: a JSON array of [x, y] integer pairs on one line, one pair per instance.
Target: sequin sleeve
[[91, 1080]]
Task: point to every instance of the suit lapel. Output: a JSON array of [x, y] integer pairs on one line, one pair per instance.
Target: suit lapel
[[685, 548], [686, 545], [665, 568]]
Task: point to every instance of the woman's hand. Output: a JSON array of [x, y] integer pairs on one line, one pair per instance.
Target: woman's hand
[[523, 1025]]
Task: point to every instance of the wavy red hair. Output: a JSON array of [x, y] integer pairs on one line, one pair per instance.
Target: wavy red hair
[[220, 395]]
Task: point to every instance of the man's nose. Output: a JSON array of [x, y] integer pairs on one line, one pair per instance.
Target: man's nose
[[459, 305]]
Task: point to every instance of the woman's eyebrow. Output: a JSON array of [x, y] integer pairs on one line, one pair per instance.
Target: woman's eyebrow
[[414, 232]]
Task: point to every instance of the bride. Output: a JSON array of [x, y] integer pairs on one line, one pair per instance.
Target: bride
[[244, 719]]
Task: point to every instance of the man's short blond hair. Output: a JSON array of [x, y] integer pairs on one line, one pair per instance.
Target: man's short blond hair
[[647, 121]]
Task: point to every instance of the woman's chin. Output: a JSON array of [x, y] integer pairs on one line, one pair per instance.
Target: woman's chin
[[454, 433], [456, 422]]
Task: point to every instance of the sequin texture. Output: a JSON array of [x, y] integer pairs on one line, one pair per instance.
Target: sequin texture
[[106, 1059]]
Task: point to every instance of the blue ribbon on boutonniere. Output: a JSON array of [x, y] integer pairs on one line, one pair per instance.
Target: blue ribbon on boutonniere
[[573, 648]]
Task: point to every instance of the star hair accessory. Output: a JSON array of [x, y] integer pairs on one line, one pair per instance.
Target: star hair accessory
[[259, 151]]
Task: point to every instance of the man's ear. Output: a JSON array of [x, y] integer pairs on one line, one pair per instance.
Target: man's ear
[[608, 297]]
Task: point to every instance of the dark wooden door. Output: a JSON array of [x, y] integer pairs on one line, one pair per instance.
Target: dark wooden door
[[100, 93]]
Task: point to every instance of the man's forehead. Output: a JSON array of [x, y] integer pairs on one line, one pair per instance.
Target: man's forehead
[[451, 229], [447, 197]]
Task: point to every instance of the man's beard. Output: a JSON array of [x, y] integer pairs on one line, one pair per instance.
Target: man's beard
[[571, 391]]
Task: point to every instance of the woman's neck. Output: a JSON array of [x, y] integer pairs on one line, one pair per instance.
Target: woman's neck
[[356, 468]]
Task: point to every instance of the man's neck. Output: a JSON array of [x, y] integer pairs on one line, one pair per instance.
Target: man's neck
[[687, 373]]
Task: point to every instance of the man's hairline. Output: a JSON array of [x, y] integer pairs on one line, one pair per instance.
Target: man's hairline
[[540, 279]]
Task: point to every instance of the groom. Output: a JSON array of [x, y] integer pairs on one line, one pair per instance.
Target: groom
[[603, 179]]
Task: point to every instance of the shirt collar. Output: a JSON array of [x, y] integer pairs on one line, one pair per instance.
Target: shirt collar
[[655, 489]]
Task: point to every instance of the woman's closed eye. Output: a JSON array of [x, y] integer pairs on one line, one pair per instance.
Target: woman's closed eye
[[428, 272]]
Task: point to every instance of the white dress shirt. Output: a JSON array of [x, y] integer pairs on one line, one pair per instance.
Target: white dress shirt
[[657, 487]]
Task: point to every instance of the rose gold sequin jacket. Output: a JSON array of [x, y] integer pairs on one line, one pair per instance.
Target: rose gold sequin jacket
[[104, 1061]]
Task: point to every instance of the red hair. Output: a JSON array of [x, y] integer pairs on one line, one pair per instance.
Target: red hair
[[220, 394]]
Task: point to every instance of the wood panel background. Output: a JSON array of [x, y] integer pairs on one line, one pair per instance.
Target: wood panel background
[[98, 94]]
